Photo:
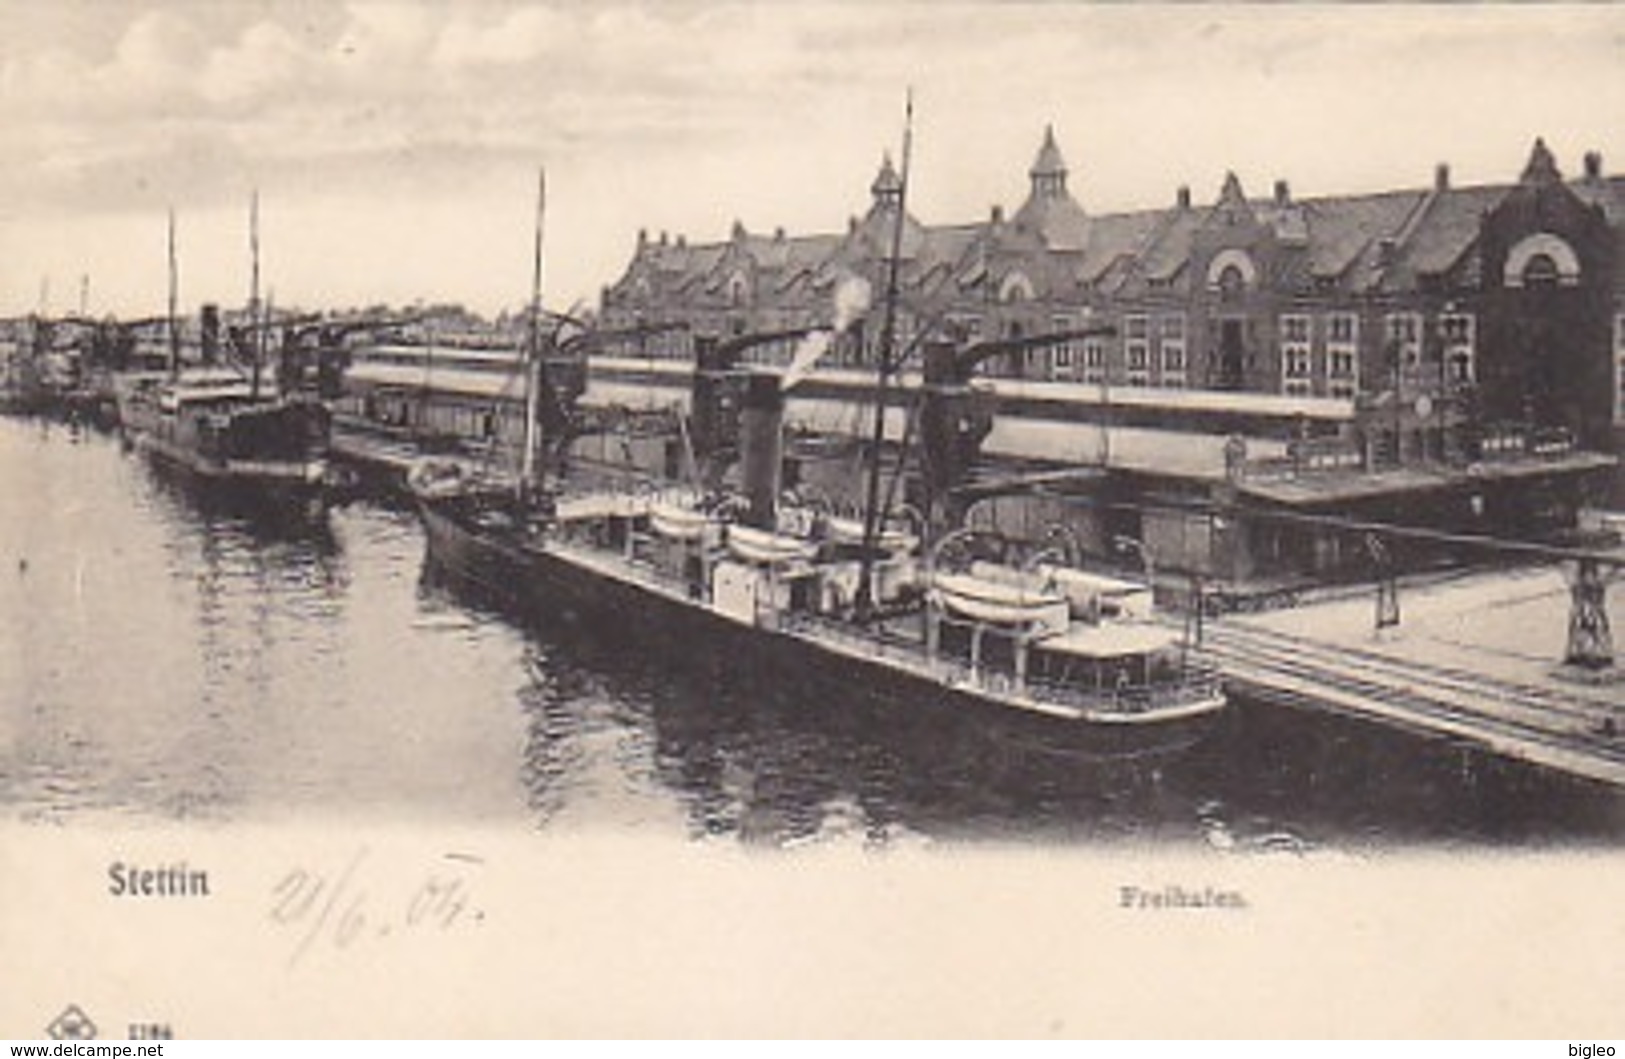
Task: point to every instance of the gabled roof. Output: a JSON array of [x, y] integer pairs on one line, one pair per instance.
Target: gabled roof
[[1169, 250], [1341, 229], [1381, 241], [782, 253], [1056, 219], [1111, 238], [1448, 229]]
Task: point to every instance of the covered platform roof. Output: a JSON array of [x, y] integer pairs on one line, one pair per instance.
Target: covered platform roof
[[1331, 487]]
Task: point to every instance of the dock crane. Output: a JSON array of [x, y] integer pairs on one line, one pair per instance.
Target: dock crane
[[955, 416]]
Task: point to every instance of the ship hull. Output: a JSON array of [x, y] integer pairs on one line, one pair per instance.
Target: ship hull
[[279, 489], [281, 471], [579, 594]]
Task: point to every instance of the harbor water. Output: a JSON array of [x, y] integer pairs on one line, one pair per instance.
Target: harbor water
[[164, 662]]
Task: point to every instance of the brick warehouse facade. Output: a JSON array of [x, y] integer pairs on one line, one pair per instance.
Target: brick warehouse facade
[[1451, 316]]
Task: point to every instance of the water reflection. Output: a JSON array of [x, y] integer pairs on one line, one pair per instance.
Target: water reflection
[[167, 658], [162, 660], [613, 727]]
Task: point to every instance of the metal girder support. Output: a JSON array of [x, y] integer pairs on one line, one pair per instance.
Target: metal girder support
[[1591, 642], [1387, 583]]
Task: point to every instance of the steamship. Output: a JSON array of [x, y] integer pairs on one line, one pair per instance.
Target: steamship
[[854, 609], [223, 430], [217, 424], [211, 425]]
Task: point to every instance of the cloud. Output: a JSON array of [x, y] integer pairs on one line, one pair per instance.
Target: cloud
[[525, 35], [266, 62], [687, 113]]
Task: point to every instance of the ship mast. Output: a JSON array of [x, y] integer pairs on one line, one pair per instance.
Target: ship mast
[[533, 344], [174, 333], [257, 349], [888, 330]]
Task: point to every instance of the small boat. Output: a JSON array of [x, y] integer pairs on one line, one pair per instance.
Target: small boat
[[891, 538], [677, 522], [767, 546], [981, 598]]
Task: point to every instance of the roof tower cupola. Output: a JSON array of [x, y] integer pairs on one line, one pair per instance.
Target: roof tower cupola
[[1048, 173], [888, 186]]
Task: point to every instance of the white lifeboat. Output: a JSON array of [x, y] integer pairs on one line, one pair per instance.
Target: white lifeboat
[[677, 522], [762, 546], [986, 600], [850, 531]]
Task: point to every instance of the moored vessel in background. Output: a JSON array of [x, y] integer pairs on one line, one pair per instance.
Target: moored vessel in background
[[226, 428], [209, 424]]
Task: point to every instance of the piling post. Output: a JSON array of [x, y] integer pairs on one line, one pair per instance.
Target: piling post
[[1591, 641]]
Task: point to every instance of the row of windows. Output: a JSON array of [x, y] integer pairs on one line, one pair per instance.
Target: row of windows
[[1402, 333], [1064, 363], [1155, 344], [1404, 330]]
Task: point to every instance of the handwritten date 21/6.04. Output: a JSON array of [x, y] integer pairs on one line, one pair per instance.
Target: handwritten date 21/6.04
[[345, 910]]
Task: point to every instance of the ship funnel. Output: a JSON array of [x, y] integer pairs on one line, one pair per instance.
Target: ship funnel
[[714, 411], [953, 423], [762, 447], [209, 323], [942, 410], [939, 359]]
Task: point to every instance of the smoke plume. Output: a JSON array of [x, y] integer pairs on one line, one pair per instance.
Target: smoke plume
[[851, 301]]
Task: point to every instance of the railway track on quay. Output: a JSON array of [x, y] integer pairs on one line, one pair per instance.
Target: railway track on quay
[[1546, 726]]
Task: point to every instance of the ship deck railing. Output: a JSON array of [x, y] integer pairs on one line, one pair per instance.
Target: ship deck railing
[[1196, 682], [901, 641]]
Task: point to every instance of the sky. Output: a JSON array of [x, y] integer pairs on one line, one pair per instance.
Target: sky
[[395, 145]]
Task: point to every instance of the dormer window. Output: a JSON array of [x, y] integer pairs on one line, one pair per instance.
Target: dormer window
[[1231, 273], [1015, 289], [1542, 260]]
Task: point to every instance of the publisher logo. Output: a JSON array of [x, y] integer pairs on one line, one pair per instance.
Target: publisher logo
[[72, 1025]]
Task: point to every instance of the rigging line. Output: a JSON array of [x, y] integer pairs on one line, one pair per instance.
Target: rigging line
[[887, 336], [534, 368], [258, 348], [174, 334]]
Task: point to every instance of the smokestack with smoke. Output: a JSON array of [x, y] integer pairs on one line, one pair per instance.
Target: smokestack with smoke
[[851, 302]]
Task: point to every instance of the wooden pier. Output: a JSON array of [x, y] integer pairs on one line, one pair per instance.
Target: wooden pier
[[1475, 658]]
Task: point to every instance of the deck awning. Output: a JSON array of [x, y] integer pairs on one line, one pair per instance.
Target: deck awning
[[1110, 640]]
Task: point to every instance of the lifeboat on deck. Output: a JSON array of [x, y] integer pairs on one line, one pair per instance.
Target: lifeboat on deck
[[761, 546]]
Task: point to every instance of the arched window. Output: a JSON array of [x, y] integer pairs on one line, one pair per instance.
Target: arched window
[[737, 289], [1015, 288], [1232, 272], [1541, 260]]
